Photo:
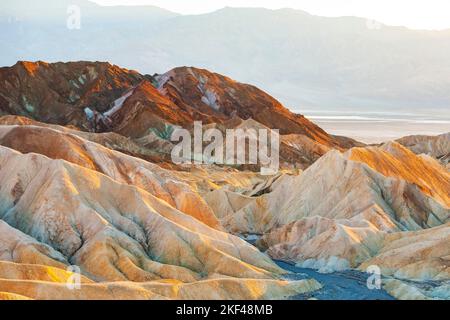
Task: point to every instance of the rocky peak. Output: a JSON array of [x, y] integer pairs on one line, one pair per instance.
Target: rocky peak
[[217, 95], [58, 92]]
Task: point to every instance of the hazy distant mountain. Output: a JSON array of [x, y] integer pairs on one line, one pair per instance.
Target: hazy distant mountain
[[302, 59], [90, 190], [56, 11]]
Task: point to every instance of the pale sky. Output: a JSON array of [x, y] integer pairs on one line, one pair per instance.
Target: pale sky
[[415, 14]]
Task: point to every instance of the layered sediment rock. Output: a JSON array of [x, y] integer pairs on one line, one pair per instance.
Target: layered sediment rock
[[437, 147], [343, 210]]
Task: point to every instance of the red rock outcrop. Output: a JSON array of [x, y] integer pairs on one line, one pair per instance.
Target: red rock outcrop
[[59, 92], [95, 96], [219, 96]]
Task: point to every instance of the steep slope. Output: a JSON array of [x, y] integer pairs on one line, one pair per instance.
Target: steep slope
[[60, 92], [30, 269], [437, 147], [100, 97], [420, 255], [115, 217], [150, 147], [216, 95], [336, 213], [124, 169], [145, 109], [215, 289], [393, 160], [405, 290], [19, 247], [307, 149], [295, 151], [115, 231]]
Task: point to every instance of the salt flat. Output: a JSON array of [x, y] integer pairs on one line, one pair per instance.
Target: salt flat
[[378, 127]]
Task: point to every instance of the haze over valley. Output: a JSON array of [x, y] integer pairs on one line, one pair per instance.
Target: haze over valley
[[305, 61], [335, 184]]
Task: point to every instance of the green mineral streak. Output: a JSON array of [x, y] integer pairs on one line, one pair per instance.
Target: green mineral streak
[[73, 83], [82, 79], [165, 133], [29, 107]]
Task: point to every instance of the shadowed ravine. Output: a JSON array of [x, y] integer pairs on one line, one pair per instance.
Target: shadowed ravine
[[347, 285]]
